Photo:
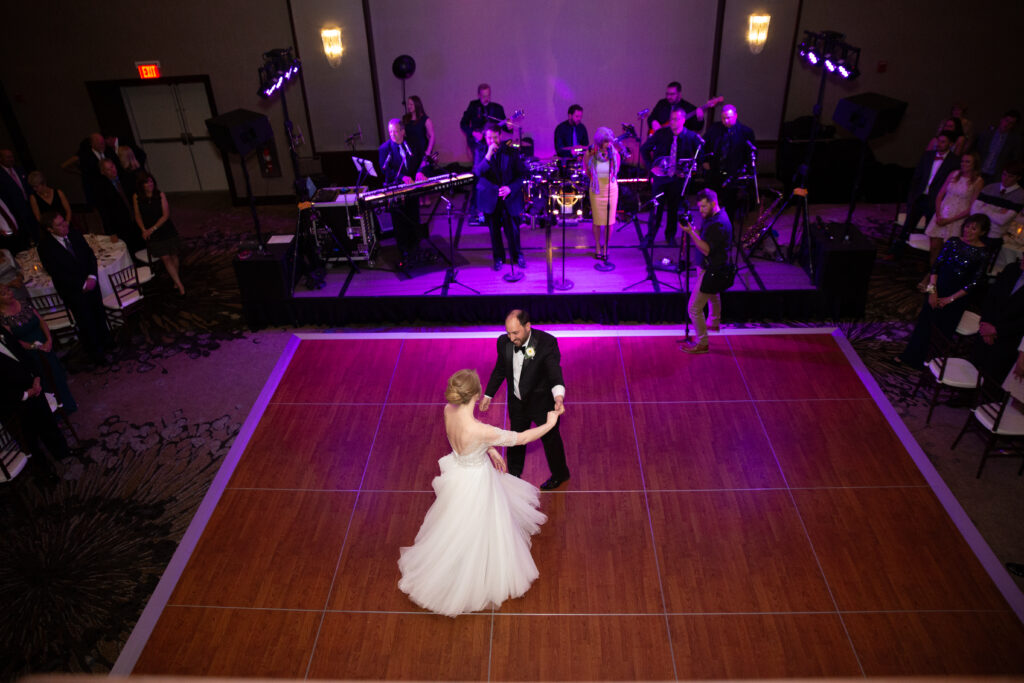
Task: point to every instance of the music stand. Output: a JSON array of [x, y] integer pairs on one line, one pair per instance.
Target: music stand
[[450, 275]]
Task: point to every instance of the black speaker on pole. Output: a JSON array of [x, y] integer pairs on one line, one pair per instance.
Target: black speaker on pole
[[869, 115], [240, 131]]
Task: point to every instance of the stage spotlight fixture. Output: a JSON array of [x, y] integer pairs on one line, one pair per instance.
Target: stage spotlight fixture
[[829, 50], [812, 57], [830, 63], [802, 50], [279, 67]]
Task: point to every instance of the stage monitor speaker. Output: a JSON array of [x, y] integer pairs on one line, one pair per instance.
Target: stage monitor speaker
[[869, 115], [240, 131], [841, 266]]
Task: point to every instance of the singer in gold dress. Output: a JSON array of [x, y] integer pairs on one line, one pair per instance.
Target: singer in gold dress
[[603, 162]]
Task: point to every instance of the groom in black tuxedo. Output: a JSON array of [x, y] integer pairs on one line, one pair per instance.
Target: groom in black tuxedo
[[530, 362]]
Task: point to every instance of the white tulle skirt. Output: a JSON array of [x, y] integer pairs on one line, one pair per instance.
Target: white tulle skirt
[[473, 549]]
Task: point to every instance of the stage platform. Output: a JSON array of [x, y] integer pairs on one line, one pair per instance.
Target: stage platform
[[557, 285], [757, 512]]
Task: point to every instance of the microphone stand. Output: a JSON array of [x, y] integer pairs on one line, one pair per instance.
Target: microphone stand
[[511, 275], [602, 265], [450, 275]]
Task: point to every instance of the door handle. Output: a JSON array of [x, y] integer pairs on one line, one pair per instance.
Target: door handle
[[184, 138]]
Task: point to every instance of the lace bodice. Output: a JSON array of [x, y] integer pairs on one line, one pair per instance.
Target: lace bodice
[[475, 454]]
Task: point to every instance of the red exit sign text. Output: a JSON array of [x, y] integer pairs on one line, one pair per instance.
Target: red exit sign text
[[148, 69]]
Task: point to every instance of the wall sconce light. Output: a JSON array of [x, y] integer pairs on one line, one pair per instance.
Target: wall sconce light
[[331, 38], [757, 34]]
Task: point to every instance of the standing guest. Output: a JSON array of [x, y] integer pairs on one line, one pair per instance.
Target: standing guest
[[401, 166], [13, 237], [419, 129], [153, 217], [32, 332], [929, 176], [713, 243], [956, 274], [603, 162], [71, 264], [24, 411], [114, 204], [531, 365], [673, 99], [128, 165], [954, 127], [45, 199], [953, 205], [500, 174], [86, 162], [15, 192], [1000, 145], [571, 133], [662, 152]]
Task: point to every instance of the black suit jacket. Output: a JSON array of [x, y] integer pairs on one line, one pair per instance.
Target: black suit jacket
[[9, 190], [389, 156], [660, 145], [539, 374], [1012, 149], [69, 272], [729, 146], [16, 376], [506, 168], [115, 211], [477, 116], [1003, 309], [563, 137], [919, 181]]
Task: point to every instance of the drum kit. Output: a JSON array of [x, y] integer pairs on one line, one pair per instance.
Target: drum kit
[[557, 187]]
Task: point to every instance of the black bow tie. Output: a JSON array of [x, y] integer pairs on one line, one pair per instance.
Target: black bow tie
[[521, 349]]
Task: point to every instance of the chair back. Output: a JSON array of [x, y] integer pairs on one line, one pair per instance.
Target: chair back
[[125, 283], [992, 401], [51, 308]]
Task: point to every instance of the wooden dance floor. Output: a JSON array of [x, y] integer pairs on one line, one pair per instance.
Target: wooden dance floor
[[755, 512]]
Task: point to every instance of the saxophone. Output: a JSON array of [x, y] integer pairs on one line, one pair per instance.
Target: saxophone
[[763, 223]]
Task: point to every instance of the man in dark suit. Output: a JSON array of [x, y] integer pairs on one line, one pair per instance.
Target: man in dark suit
[[24, 411], [500, 173], [15, 191], [1000, 145], [401, 166], [478, 114], [1002, 323], [71, 264], [86, 162], [114, 202], [661, 153], [929, 175], [571, 133], [730, 146], [529, 361]]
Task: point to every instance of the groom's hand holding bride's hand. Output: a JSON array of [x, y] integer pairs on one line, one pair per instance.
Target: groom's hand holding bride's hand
[[499, 462], [553, 414], [485, 403]]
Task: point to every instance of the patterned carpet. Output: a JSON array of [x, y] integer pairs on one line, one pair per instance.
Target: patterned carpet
[[80, 559]]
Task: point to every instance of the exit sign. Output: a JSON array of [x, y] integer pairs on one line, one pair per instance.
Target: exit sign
[[148, 69]]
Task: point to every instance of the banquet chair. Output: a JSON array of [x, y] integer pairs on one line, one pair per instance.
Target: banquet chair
[[970, 323], [1000, 421], [126, 297], [58, 318], [147, 271], [12, 458], [944, 370]]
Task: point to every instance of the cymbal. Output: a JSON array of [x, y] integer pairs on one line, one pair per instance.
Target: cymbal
[[578, 149]]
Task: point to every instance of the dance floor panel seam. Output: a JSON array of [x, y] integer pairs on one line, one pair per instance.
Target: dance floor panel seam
[[701, 537]]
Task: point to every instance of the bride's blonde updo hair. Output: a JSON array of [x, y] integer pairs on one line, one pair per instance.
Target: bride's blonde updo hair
[[462, 387]]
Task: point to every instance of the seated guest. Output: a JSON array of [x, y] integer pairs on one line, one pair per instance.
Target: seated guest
[[956, 274], [1002, 323], [1000, 145], [153, 218], [24, 411], [113, 201], [45, 199], [31, 331], [1001, 201], [72, 266], [571, 133]]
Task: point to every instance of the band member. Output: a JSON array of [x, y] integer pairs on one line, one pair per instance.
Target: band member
[[674, 98], [479, 113], [662, 152], [713, 242], [500, 173], [603, 162], [730, 146], [400, 165], [571, 133], [419, 129]]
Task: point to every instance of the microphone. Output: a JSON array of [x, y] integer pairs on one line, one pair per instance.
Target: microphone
[[384, 169], [751, 145], [643, 112], [699, 139]]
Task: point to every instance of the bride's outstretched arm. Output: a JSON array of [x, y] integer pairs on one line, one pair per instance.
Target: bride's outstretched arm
[[497, 460], [537, 432]]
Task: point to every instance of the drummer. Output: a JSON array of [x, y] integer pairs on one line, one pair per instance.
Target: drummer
[[571, 137]]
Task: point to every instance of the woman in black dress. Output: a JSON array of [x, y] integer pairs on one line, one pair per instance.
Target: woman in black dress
[[419, 129], [153, 217], [957, 272], [46, 199]]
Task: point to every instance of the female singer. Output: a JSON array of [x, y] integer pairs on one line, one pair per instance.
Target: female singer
[[602, 163]]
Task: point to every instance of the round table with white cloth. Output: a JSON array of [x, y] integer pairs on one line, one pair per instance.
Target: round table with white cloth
[[111, 256]]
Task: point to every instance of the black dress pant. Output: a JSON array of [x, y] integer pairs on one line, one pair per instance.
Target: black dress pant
[[91, 318], [498, 221], [405, 219], [668, 205], [922, 206], [521, 415]]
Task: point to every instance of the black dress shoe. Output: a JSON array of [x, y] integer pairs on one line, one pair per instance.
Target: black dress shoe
[[553, 483], [498, 263], [671, 241], [521, 261]]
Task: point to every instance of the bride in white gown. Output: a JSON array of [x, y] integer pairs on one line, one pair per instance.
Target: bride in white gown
[[473, 549]]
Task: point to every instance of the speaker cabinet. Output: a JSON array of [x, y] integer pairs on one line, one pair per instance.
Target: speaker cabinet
[[264, 281], [841, 268], [869, 115], [240, 131]]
